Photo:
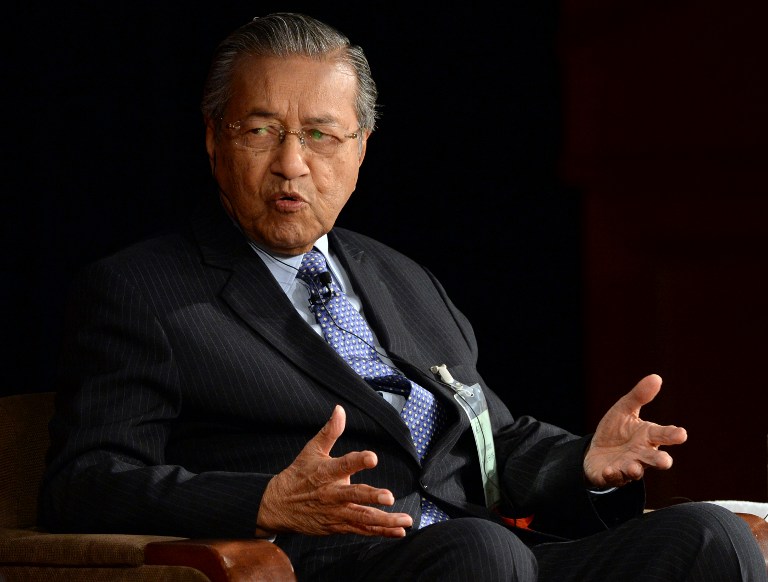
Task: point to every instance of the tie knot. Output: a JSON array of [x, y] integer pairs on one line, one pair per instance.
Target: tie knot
[[312, 265]]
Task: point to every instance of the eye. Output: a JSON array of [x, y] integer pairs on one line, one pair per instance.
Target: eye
[[257, 135], [315, 134]]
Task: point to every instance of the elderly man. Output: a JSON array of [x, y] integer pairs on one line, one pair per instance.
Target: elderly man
[[264, 373]]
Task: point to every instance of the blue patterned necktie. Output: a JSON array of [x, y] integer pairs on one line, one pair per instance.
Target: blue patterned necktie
[[348, 333]]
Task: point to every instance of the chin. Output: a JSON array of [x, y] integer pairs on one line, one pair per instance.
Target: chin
[[291, 247], [287, 239]]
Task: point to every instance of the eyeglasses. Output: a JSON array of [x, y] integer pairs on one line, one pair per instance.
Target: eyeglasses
[[263, 137]]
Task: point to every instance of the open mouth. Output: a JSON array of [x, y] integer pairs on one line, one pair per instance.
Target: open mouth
[[289, 202]]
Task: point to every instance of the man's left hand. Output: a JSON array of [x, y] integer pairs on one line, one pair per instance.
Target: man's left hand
[[624, 445]]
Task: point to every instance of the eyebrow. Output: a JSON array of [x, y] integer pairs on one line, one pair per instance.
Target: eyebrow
[[316, 120]]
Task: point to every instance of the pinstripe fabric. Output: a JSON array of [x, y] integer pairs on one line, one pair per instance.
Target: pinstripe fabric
[[684, 542], [347, 331], [188, 380], [689, 542], [457, 551]]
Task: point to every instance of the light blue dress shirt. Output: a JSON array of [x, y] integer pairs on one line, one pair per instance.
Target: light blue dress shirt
[[284, 270]]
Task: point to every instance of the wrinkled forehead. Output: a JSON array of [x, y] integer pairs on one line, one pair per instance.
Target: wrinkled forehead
[[293, 88]]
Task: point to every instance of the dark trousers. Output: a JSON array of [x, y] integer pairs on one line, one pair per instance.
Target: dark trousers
[[698, 542]]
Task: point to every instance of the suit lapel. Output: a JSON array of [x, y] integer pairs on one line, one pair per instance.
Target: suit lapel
[[378, 307], [393, 334], [253, 294]]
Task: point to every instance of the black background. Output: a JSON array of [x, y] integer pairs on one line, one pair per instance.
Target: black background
[[104, 145]]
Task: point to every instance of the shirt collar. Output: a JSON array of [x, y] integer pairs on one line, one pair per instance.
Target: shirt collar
[[284, 269]]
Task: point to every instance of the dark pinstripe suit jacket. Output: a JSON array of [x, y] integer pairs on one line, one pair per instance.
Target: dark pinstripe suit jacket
[[188, 380]]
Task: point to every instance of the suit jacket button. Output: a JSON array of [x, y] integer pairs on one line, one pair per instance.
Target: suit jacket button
[[423, 485]]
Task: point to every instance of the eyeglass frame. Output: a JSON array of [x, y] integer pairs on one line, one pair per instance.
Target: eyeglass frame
[[300, 134]]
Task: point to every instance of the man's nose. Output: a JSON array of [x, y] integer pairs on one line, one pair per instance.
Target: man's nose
[[289, 160]]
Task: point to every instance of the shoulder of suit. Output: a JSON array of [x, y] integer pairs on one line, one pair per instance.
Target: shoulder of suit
[[165, 246], [357, 241]]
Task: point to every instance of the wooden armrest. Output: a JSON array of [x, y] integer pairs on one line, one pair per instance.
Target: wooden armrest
[[759, 528], [225, 560]]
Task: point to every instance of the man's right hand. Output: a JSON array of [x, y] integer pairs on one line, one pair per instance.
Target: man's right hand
[[314, 496]]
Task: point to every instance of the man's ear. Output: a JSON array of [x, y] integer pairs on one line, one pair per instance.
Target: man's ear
[[210, 144]]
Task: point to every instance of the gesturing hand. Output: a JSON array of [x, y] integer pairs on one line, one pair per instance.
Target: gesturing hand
[[624, 444], [313, 495]]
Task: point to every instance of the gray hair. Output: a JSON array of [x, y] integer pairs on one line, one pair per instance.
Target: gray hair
[[283, 34]]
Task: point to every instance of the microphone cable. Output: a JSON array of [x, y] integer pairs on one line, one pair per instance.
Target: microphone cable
[[319, 296]]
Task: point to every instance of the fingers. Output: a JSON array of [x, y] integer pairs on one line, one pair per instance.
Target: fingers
[[371, 521], [324, 513], [616, 477], [327, 509], [313, 495], [643, 392], [624, 445], [667, 435], [365, 494], [661, 460], [391, 525], [331, 431], [350, 510], [633, 470], [351, 463], [354, 494], [340, 469], [325, 439]]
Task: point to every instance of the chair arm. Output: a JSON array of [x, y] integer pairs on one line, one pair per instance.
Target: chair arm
[[27, 547], [759, 528], [224, 560]]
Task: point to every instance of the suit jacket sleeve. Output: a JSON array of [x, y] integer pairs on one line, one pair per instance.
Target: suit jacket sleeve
[[119, 397], [540, 465], [541, 471]]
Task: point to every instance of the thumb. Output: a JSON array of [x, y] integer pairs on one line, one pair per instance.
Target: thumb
[[643, 392], [331, 431]]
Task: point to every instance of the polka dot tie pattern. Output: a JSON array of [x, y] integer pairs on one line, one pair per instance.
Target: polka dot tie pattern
[[348, 333]]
